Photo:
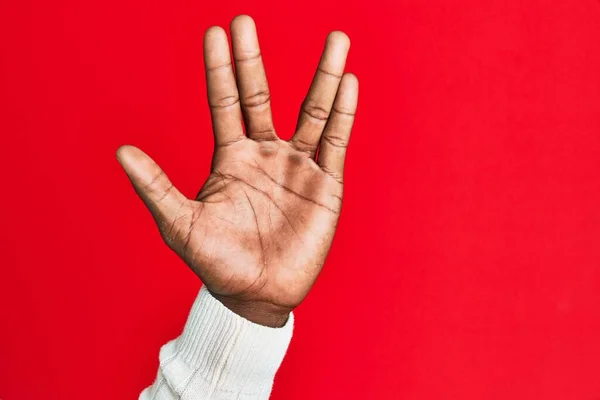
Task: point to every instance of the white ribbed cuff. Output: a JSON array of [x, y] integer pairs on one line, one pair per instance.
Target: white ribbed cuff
[[226, 352]]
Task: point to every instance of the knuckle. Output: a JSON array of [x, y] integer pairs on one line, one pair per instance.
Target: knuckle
[[337, 175], [315, 111], [336, 141], [258, 99], [155, 183], [218, 68], [303, 146], [344, 111], [249, 57], [324, 70], [225, 101]]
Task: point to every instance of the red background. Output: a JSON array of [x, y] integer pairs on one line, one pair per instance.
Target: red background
[[467, 263]]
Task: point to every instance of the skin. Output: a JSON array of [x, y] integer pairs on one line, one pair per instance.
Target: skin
[[261, 226]]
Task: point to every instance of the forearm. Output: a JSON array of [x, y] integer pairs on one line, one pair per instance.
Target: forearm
[[219, 355]]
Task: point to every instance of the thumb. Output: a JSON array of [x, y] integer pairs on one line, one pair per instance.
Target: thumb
[[152, 185]]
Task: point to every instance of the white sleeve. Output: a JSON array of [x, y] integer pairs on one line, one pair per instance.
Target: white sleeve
[[219, 356]]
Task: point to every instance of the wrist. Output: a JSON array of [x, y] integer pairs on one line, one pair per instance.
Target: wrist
[[221, 353], [259, 312]]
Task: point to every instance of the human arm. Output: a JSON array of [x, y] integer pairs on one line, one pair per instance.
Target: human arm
[[258, 232], [219, 356]]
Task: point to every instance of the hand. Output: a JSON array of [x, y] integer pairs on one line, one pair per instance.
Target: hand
[[260, 229]]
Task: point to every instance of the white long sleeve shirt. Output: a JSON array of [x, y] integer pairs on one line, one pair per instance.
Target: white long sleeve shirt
[[219, 356]]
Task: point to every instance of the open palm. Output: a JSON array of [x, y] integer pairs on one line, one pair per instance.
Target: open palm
[[260, 228]]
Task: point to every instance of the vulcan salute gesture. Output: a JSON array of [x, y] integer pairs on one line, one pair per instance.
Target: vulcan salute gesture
[[258, 232]]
